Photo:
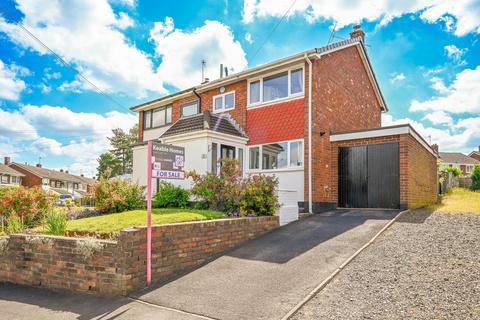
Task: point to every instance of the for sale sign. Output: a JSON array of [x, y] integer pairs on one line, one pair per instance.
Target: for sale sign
[[168, 161]]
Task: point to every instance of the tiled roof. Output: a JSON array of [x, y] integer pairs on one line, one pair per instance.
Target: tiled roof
[[339, 44], [7, 170], [457, 157], [50, 174], [204, 121]]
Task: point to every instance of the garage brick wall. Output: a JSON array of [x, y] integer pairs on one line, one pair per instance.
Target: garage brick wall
[[418, 169], [343, 99]]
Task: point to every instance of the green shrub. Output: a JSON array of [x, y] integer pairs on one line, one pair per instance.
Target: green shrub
[[56, 222], [218, 192], [228, 192], [117, 195], [455, 171], [258, 196], [14, 224], [170, 196], [476, 178], [28, 204]]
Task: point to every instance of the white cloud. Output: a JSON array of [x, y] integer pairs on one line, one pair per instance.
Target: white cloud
[[397, 77], [462, 95], [86, 34], [48, 74], [10, 85], [248, 37], [438, 85], [439, 117], [124, 21], [456, 53], [182, 52], [462, 137], [44, 88], [43, 146], [14, 127], [65, 121], [459, 16]]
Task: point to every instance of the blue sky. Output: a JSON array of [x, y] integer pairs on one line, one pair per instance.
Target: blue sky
[[426, 56]]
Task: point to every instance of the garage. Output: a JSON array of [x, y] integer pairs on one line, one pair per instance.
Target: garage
[[369, 176]]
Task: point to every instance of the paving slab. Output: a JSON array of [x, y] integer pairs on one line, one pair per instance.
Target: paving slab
[[266, 277]]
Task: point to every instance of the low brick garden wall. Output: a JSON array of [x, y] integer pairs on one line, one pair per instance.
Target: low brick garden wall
[[118, 267]]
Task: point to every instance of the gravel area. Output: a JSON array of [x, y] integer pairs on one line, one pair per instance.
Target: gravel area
[[425, 266]]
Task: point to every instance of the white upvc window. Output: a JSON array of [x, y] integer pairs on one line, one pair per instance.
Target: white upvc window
[[224, 102], [276, 156], [275, 87]]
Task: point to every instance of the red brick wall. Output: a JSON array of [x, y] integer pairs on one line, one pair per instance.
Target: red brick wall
[[422, 174], [30, 180], [342, 99], [118, 267], [418, 170], [182, 246], [278, 122], [240, 111]]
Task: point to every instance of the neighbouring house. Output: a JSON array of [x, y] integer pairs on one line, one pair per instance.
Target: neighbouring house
[[458, 160], [475, 154], [312, 119], [9, 176], [58, 182]]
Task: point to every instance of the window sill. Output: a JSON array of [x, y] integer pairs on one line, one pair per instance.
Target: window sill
[[277, 101], [223, 110], [159, 127]]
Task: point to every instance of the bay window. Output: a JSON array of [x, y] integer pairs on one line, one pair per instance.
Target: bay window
[[279, 155], [276, 87]]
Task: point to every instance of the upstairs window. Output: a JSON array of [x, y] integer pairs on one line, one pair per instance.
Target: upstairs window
[[190, 109], [276, 87], [224, 102], [157, 117]]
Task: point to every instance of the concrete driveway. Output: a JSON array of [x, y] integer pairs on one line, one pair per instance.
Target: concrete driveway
[[262, 279], [268, 276]]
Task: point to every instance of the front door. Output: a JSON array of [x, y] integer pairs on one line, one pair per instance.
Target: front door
[[227, 152]]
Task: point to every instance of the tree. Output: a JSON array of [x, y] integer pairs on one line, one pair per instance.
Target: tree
[[454, 170], [108, 165], [122, 143], [476, 178]]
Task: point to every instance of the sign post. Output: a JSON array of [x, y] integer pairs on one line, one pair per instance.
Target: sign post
[[163, 162]]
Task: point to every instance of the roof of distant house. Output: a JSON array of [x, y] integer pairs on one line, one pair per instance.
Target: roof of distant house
[[457, 157], [54, 174], [205, 121], [11, 172]]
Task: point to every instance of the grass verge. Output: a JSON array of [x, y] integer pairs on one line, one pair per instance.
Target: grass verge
[[460, 200]]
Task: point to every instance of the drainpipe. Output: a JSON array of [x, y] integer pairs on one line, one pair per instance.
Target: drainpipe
[[309, 133], [199, 100]]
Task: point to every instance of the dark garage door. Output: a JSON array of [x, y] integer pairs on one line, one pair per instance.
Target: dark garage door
[[369, 176]]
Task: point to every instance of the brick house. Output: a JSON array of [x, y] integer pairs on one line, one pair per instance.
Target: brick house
[[58, 182], [475, 154], [9, 176], [291, 118], [465, 163]]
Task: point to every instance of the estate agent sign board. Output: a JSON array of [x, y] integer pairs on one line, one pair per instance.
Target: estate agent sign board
[[163, 162]]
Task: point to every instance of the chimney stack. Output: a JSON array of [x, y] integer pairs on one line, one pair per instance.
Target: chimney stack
[[66, 171], [39, 165], [221, 70], [61, 170], [435, 148], [7, 161], [358, 33], [81, 175], [226, 72]]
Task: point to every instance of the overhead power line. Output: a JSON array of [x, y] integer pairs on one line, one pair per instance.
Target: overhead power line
[[273, 29], [69, 65]]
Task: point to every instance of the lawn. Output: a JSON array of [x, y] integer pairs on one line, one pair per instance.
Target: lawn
[[117, 221], [459, 200]]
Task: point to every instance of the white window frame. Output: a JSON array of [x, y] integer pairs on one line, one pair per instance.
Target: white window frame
[[223, 109], [289, 97], [219, 155], [260, 160], [151, 111]]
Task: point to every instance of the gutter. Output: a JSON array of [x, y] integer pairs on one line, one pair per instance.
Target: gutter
[[310, 196], [194, 90]]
